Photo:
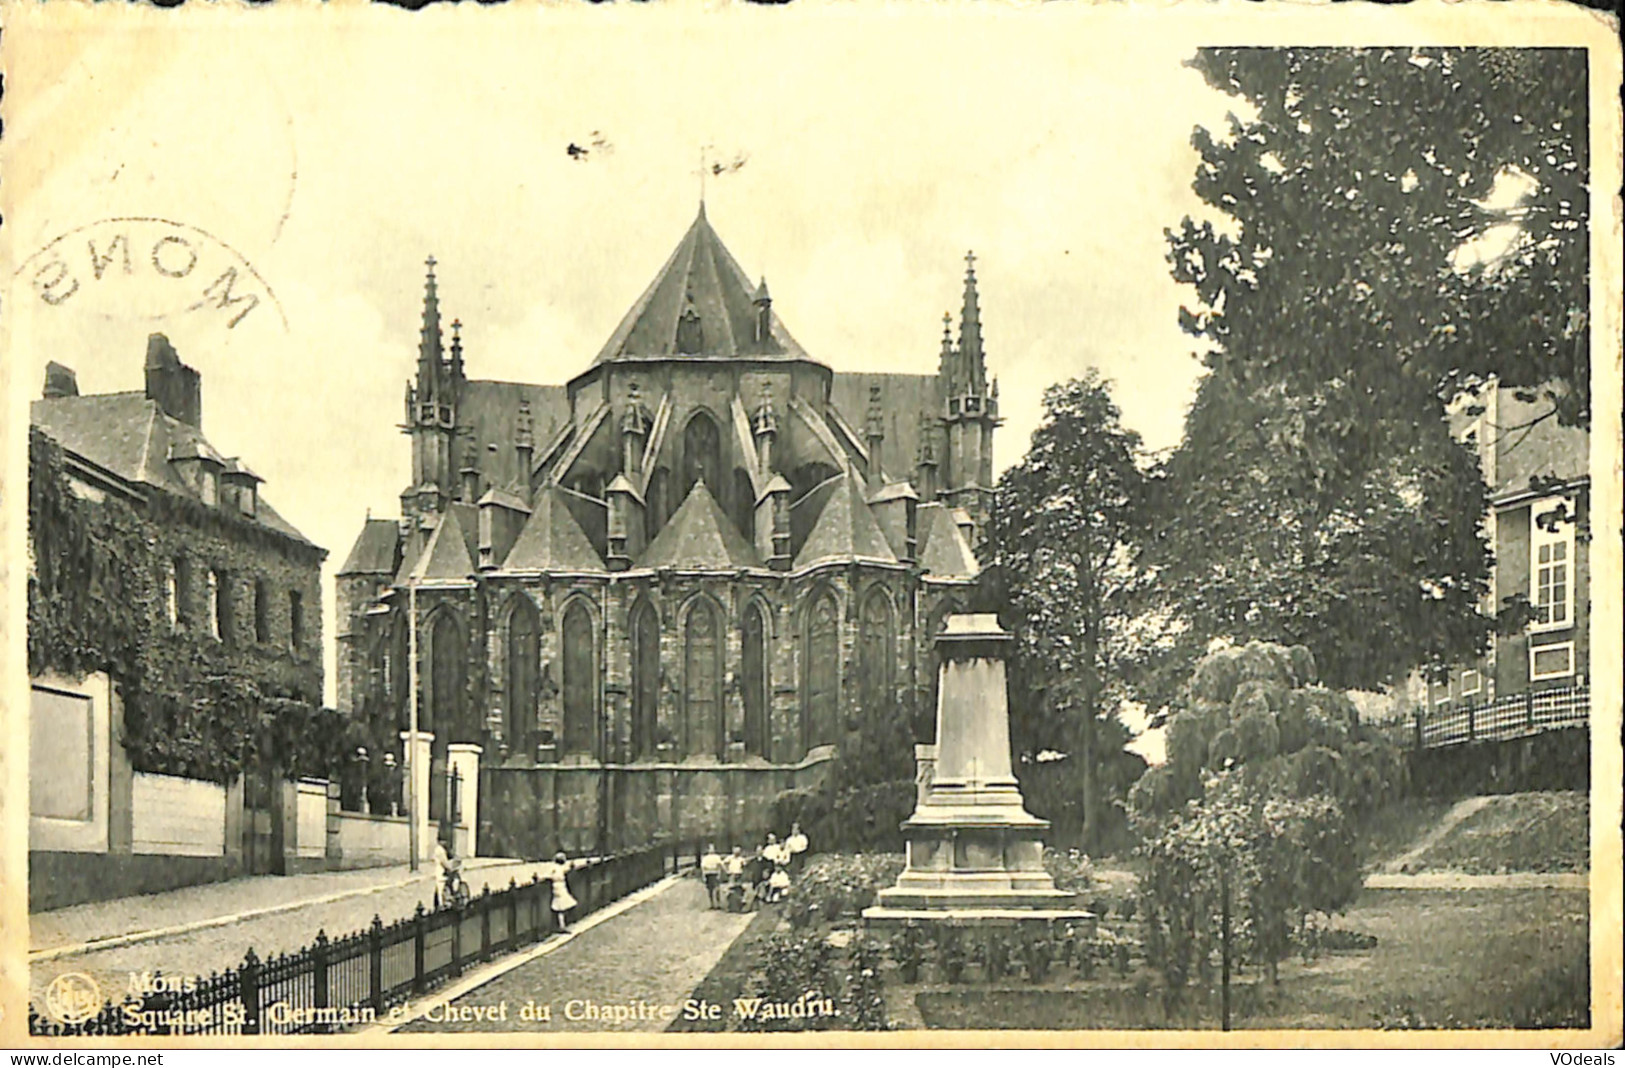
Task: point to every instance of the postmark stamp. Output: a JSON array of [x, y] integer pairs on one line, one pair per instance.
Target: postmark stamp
[[149, 269]]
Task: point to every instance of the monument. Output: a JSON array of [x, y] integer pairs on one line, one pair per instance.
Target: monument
[[975, 854]]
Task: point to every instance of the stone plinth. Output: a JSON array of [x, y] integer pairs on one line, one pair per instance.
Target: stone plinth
[[975, 854]]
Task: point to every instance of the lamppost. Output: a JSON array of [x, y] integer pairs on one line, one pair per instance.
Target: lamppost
[[412, 799]]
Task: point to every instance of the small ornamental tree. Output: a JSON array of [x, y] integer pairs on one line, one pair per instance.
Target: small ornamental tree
[[1247, 828]]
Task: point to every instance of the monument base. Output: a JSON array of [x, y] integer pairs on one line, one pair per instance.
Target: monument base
[[883, 918]]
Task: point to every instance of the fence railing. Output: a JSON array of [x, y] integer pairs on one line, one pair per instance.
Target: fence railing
[[335, 983], [1516, 715]]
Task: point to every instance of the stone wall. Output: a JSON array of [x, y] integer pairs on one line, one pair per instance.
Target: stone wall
[[534, 812]]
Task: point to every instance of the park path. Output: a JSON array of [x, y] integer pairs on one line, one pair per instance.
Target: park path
[[651, 955], [201, 929], [1461, 810]]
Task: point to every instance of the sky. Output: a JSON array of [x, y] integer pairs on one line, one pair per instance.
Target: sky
[[325, 162]]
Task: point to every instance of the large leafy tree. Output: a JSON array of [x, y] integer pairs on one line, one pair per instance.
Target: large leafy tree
[[1403, 220], [1391, 227], [1063, 545]]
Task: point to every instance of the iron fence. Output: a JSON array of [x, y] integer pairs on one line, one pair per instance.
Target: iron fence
[[1518, 715], [336, 983]]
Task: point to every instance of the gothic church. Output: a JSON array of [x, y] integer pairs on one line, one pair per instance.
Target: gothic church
[[652, 598]]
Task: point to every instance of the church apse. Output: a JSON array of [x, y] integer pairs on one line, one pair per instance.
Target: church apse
[[678, 584]]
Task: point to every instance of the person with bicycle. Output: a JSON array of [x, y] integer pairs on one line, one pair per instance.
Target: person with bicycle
[[450, 889]]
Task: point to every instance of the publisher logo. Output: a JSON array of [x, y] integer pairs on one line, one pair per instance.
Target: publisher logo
[[72, 997]]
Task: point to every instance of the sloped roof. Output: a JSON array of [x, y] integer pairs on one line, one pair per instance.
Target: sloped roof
[[700, 274], [552, 539], [846, 529], [699, 537], [129, 435], [374, 552], [488, 415], [942, 548], [447, 555]]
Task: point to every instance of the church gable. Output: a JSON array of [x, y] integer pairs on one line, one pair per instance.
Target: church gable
[[845, 530], [700, 537], [446, 557], [943, 549], [552, 540]]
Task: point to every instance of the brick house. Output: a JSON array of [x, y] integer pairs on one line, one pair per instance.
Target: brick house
[[237, 590], [650, 599]]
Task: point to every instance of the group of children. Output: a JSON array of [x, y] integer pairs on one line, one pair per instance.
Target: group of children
[[737, 882]]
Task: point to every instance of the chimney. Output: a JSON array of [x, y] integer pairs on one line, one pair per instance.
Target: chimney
[[176, 387], [60, 381]]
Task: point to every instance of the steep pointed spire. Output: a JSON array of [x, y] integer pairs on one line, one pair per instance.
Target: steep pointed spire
[[970, 331], [429, 337], [456, 349], [945, 362]]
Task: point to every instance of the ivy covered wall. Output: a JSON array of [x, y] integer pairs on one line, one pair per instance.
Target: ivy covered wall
[[119, 583]]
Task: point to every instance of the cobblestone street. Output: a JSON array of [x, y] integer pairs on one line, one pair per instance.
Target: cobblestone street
[[391, 893], [652, 955]]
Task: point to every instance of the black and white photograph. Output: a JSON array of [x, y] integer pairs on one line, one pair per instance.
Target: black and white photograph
[[559, 525]]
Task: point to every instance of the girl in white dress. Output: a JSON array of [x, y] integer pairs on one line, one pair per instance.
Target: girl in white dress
[[563, 901]]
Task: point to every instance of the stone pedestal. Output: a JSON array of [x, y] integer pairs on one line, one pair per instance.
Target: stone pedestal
[[975, 854], [465, 760]]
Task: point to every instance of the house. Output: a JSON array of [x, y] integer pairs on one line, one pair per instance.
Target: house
[[646, 601], [209, 609], [1537, 474], [1517, 717]]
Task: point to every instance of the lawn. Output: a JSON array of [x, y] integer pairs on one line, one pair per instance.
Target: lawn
[[1444, 958], [1543, 832], [1449, 958]]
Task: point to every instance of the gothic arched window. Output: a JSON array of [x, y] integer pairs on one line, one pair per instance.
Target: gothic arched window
[[754, 680], [524, 660], [645, 632], [702, 454], [447, 666], [877, 643], [821, 667], [580, 681], [702, 681]]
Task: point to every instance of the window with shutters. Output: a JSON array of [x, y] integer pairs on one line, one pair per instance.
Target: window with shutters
[[1551, 567], [702, 681]]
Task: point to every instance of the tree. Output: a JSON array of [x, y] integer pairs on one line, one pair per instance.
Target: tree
[[1062, 546], [1252, 815], [1401, 225], [1281, 521], [1402, 220]]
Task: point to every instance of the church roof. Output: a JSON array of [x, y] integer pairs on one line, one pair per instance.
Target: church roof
[[845, 529], [700, 537], [943, 549], [552, 539], [446, 556], [702, 281], [374, 552]]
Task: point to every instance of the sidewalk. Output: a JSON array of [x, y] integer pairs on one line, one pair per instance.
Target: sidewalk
[[200, 929], [616, 974]]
